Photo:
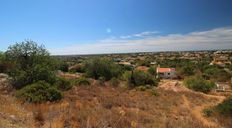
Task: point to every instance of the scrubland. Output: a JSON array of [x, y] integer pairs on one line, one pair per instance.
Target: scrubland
[[97, 106]]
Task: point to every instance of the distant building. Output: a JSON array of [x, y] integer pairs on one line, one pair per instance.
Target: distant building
[[167, 73], [142, 68], [125, 63], [153, 63]]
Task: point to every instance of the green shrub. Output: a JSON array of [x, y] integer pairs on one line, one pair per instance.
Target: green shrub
[[39, 92], [197, 83], [154, 92], [144, 63], [152, 71], [141, 88], [187, 70], [126, 75], [140, 78], [101, 81], [114, 81], [126, 67], [225, 108], [215, 73], [100, 67], [63, 84], [82, 81], [77, 68], [207, 112], [5, 66], [63, 67]]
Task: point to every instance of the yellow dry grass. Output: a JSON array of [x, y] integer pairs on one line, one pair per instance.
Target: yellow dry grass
[[105, 106]]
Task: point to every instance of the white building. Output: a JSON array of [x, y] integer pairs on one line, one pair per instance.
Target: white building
[[167, 73]]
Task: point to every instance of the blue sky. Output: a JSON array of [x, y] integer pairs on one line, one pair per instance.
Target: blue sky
[[111, 26]]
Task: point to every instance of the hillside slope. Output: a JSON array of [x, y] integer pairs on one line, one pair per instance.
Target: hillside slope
[[105, 106]]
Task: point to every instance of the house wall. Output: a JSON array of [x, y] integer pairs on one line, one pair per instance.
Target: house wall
[[167, 75]]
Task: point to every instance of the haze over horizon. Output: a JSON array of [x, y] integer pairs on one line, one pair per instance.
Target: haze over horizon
[[122, 26]]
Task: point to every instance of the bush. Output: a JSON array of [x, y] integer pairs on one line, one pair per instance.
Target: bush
[[105, 68], [126, 67], [216, 74], [197, 83], [154, 92], [101, 81], [225, 108], [114, 81], [63, 67], [207, 112], [144, 63], [39, 92], [63, 84], [152, 71], [76, 68], [82, 81], [187, 70], [141, 88], [140, 78]]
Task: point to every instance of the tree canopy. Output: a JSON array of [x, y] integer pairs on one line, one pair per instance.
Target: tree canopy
[[31, 63]]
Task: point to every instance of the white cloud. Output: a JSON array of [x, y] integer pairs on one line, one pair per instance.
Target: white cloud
[[219, 38], [142, 34]]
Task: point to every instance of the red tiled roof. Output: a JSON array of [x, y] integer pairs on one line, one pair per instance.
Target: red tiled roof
[[165, 69]]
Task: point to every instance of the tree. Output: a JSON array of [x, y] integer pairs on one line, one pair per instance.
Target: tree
[[141, 78], [2, 62], [186, 70], [152, 71], [32, 63], [102, 68], [216, 74]]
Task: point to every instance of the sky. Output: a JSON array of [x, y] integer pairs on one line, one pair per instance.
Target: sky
[[117, 26]]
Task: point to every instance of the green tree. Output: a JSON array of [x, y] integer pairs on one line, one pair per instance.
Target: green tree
[[215, 73], [102, 68], [152, 71], [141, 78], [2, 62], [32, 63], [186, 70]]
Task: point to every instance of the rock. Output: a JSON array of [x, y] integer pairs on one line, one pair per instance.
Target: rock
[[2, 75], [13, 118]]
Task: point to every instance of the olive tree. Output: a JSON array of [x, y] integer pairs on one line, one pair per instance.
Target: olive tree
[[31, 63]]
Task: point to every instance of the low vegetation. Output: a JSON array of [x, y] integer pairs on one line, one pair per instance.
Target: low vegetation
[[39, 92], [93, 103], [197, 83], [216, 73], [141, 78], [63, 84], [101, 67], [225, 108], [82, 81]]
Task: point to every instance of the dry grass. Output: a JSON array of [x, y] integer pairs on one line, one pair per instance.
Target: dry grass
[[13, 115], [106, 106]]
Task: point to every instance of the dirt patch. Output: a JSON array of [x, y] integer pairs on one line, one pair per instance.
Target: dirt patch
[[173, 85]]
